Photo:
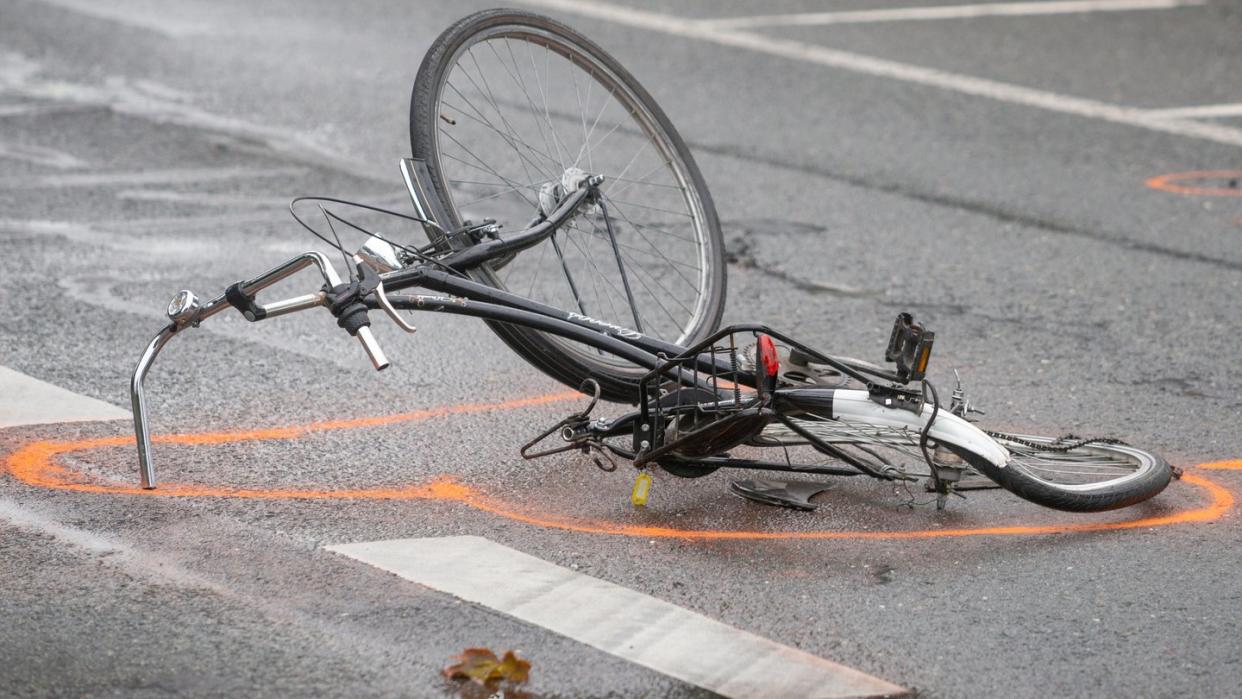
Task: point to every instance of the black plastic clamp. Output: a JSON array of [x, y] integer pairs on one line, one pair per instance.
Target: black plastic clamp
[[241, 301]]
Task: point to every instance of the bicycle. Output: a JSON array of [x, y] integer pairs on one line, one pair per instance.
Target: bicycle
[[631, 231]]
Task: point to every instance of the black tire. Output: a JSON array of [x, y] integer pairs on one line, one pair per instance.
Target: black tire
[[1063, 474], [1151, 477], [684, 470], [569, 363]]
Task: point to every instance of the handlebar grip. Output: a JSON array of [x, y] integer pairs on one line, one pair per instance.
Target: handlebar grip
[[378, 360]]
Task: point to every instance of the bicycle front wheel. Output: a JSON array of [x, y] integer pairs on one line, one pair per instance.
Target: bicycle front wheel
[[1077, 475], [509, 105], [1059, 473]]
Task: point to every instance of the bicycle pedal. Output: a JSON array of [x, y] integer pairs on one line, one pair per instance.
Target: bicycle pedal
[[910, 347]]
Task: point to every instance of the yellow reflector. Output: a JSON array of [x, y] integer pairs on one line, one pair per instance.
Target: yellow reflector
[[642, 488]]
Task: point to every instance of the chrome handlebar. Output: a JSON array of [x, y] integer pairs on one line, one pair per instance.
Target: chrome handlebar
[[186, 312]]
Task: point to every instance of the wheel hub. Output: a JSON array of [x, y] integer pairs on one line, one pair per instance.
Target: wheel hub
[[553, 192]]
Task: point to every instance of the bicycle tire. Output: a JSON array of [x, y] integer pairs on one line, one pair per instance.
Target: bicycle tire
[[1072, 476], [567, 362], [1151, 477]]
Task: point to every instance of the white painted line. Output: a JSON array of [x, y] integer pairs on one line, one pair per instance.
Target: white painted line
[[204, 198], [25, 400], [40, 155], [157, 17], [905, 72], [642, 629], [40, 109], [905, 14], [20, 76], [160, 177], [1207, 111]]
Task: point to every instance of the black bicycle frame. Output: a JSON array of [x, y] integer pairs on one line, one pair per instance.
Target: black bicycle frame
[[458, 294]]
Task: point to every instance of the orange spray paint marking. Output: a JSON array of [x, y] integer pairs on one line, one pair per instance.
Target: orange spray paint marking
[[1185, 183], [1231, 465], [35, 464], [1221, 501]]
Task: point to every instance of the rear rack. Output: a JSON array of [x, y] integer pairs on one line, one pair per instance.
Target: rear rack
[[709, 389], [718, 381]]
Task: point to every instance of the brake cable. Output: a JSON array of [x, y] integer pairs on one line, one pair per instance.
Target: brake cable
[[923, 435]]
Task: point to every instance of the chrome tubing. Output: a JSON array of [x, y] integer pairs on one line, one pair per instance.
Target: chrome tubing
[[387, 307], [146, 467], [146, 462]]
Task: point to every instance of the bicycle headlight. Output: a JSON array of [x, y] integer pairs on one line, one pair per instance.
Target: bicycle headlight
[[183, 307]]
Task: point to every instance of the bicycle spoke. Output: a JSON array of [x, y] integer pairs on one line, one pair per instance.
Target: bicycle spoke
[[651, 208], [483, 166], [556, 139], [509, 135], [529, 104], [491, 126]]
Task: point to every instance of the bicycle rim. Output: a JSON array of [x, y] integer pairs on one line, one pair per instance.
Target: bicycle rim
[[1054, 472], [1083, 469], [517, 107]]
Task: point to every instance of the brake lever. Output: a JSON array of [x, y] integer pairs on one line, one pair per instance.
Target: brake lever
[[387, 307]]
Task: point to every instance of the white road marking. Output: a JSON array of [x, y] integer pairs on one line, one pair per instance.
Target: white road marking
[[40, 155], [628, 624], [120, 235], [28, 519], [40, 109], [245, 201], [903, 14], [204, 198], [153, 17], [1207, 111], [110, 550], [20, 76], [905, 72], [100, 292], [162, 177], [25, 400]]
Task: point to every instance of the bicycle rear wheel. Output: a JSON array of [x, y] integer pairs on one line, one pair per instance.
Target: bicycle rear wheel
[[508, 104]]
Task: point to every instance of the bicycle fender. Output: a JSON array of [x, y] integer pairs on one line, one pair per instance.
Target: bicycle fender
[[857, 406]]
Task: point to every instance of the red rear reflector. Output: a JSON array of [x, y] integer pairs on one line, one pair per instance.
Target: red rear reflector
[[768, 360]]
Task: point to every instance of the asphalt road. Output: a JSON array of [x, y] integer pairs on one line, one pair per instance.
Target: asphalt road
[[147, 147]]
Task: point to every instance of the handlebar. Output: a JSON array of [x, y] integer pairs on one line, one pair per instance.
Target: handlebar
[[374, 353], [345, 301]]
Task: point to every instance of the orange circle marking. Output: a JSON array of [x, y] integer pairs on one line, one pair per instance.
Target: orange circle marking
[[35, 464], [1177, 183]]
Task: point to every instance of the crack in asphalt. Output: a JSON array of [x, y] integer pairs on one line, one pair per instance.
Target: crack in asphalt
[[992, 211], [17, 75], [740, 250]]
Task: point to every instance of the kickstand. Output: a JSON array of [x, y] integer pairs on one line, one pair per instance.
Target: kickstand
[[568, 429]]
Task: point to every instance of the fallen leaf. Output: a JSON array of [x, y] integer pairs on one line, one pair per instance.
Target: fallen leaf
[[514, 669], [481, 665]]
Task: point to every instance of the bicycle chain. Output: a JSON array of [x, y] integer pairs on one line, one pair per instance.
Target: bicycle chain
[[1056, 446]]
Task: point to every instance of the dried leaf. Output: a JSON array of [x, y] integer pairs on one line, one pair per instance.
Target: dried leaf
[[514, 669], [481, 665]]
